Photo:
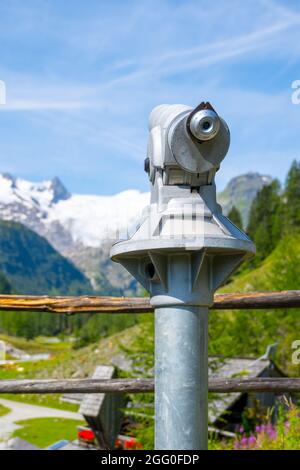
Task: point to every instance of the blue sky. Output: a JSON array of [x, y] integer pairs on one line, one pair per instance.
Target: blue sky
[[82, 77]]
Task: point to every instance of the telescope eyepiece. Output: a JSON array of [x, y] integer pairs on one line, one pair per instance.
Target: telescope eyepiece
[[205, 124]]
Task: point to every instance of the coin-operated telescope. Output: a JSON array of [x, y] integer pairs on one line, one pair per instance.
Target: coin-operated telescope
[[183, 249]]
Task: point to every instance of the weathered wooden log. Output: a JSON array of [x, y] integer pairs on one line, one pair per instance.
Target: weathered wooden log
[[257, 300], [259, 384], [274, 385], [77, 386], [71, 305], [95, 304]]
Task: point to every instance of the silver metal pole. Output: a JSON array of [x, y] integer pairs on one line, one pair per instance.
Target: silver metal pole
[[181, 378]]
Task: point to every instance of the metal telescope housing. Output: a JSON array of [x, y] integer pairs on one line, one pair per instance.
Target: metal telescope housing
[[183, 214], [181, 251]]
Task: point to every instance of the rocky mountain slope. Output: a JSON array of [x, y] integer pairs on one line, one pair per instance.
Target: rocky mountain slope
[[241, 191], [83, 227]]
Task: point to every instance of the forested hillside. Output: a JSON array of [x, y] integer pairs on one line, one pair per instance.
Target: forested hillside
[[33, 266], [30, 265]]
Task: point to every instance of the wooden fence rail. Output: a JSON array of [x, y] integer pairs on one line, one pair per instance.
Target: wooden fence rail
[[94, 304], [275, 385]]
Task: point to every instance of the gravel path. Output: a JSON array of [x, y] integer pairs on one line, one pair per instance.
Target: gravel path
[[21, 411]]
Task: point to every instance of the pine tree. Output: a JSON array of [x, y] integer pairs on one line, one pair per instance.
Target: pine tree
[[265, 220], [235, 217], [292, 198]]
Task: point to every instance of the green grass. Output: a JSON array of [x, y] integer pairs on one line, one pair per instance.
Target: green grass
[[4, 410], [26, 370], [258, 279], [43, 432], [66, 364], [50, 401], [35, 369], [36, 345]]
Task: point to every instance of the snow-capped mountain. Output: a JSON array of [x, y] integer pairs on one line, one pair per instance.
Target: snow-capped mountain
[[83, 227], [64, 219]]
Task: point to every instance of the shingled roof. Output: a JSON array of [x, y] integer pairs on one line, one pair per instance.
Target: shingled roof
[[233, 368]]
